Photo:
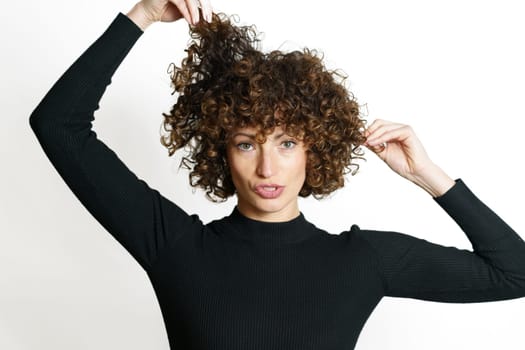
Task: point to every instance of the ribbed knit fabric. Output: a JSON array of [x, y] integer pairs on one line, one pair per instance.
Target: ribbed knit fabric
[[237, 283]]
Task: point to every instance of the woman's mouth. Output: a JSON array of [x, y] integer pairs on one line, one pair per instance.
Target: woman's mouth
[[269, 191]]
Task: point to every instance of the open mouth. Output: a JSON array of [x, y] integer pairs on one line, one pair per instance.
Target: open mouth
[[269, 191]]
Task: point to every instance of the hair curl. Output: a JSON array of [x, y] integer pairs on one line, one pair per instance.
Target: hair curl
[[226, 83]]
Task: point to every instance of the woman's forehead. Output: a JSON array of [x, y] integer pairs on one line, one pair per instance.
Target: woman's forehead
[[251, 130]]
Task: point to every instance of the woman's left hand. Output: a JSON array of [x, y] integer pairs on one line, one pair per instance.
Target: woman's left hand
[[403, 152]]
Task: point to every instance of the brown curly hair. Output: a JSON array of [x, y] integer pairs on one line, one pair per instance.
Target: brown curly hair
[[226, 82]]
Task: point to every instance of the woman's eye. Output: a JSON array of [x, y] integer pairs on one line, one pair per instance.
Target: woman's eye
[[288, 144], [243, 146]]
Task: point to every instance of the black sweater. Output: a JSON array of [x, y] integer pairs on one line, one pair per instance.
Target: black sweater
[[236, 283]]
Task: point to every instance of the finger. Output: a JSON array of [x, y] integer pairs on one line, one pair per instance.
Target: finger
[[396, 134], [378, 148], [206, 9], [380, 131], [375, 125], [183, 9], [193, 6]]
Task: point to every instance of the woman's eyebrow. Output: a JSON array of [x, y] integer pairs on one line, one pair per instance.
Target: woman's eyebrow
[[252, 136]]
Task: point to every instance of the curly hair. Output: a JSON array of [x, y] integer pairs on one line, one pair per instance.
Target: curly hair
[[225, 82]]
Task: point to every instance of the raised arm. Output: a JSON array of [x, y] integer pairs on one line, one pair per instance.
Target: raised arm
[[139, 217], [415, 268]]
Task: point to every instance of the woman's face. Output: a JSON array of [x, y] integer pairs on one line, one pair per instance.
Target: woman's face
[[268, 176]]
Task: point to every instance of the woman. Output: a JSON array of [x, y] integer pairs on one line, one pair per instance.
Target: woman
[[264, 277]]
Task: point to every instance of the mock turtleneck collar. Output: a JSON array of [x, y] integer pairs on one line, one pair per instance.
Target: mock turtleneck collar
[[242, 227]]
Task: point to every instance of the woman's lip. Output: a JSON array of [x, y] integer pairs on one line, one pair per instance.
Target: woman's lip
[[269, 191]]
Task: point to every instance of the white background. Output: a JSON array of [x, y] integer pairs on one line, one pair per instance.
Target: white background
[[452, 69]]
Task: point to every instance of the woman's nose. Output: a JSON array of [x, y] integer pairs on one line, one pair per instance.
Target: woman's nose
[[265, 164]]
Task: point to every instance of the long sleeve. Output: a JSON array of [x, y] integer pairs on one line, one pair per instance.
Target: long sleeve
[[415, 268], [139, 217]]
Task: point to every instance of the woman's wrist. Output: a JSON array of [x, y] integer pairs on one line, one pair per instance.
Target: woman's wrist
[[433, 180], [139, 16]]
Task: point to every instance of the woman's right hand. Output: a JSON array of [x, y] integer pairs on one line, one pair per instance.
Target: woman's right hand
[[147, 12]]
